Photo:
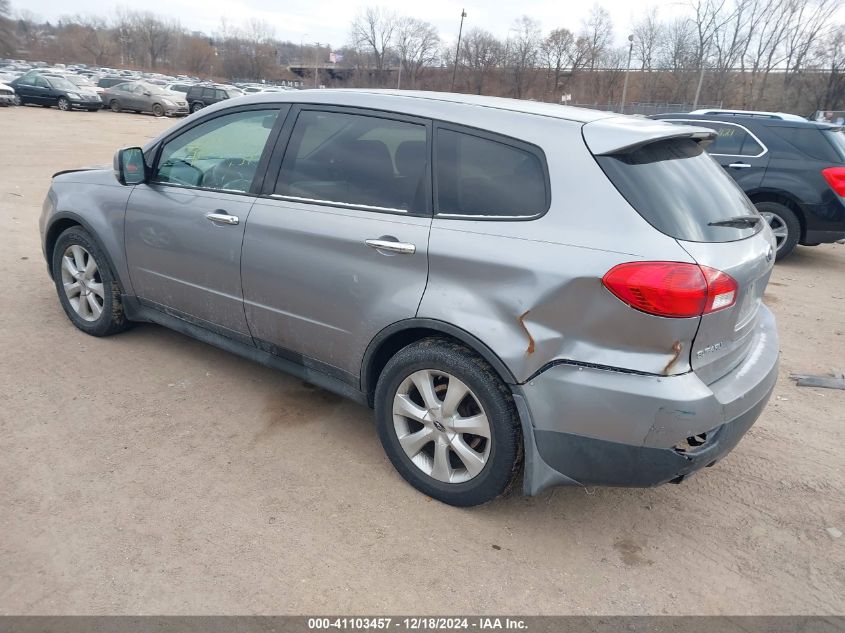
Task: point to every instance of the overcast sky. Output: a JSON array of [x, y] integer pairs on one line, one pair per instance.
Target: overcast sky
[[328, 20]]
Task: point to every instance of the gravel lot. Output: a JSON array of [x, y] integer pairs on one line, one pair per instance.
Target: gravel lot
[[149, 473]]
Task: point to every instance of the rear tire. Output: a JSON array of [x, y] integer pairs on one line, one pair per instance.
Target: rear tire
[[785, 225], [196, 106], [114, 105], [472, 468], [86, 285]]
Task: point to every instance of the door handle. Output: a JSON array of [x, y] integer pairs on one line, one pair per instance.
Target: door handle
[[393, 246], [739, 165], [223, 218]]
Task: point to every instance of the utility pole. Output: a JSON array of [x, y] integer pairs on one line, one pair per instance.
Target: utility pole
[[399, 80], [316, 70], [627, 72], [457, 50]]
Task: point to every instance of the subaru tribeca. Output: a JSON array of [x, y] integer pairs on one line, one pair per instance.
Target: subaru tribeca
[[512, 286]]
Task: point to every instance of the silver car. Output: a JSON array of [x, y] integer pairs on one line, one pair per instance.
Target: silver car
[[512, 286], [140, 96]]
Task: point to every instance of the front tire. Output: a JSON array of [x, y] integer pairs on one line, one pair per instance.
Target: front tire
[[17, 100], [158, 111], [64, 104], [448, 423], [785, 225], [86, 285]]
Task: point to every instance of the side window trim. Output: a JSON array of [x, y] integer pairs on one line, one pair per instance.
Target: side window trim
[[742, 127], [283, 142], [496, 138], [261, 169]]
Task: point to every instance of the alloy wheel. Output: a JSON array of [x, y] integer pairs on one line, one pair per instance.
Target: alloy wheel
[[64, 104], [779, 227], [17, 100], [82, 283], [441, 426]]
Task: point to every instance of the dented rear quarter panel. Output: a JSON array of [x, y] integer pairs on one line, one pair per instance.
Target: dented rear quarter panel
[[531, 290]]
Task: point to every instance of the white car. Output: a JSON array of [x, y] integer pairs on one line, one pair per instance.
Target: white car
[[7, 95]]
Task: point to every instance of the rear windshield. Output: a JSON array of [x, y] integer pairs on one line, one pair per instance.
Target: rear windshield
[[681, 191]]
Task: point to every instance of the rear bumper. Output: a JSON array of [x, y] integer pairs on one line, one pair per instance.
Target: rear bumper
[[586, 426], [823, 237]]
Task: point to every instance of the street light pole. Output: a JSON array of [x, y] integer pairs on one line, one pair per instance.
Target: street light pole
[[457, 50], [627, 72], [316, 71]]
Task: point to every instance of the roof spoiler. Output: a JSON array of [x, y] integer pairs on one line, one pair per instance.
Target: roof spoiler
[[622, 134]]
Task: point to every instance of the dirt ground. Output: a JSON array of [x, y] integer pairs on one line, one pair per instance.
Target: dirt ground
[[151, 474]]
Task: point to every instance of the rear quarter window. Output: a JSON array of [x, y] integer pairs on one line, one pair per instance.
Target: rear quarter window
[[481, 176], [810, 141], [680, 190]]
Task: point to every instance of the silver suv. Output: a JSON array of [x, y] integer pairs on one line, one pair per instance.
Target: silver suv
[[513, 286]]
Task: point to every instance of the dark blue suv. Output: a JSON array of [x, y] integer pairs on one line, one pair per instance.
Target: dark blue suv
[[793, 171]]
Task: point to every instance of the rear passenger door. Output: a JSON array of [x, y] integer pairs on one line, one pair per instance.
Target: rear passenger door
[[737, 150], [335, 248]]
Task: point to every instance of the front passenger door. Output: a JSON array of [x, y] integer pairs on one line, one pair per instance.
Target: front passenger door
[[185, 227]]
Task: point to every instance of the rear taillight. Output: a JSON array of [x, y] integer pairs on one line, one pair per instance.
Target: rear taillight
[[671, 289], [835, 177]]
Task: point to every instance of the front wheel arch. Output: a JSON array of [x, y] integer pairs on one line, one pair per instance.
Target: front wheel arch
[[59, 225]]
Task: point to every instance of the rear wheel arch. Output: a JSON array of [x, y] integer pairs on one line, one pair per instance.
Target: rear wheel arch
[[785, 199], [403, 333]]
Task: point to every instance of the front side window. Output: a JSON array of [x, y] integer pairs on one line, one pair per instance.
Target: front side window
[[220, 154], [41, 82], [481, 177], [357, 160]]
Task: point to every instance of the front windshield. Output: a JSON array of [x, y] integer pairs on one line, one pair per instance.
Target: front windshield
[[80, 81], [60, 83]]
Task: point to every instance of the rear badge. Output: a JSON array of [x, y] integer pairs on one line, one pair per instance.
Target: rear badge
[[710, 348]]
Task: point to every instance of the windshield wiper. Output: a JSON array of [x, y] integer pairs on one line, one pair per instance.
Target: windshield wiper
[[739, 222]]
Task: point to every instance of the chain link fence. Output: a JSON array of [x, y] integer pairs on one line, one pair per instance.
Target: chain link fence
[[647, 109]]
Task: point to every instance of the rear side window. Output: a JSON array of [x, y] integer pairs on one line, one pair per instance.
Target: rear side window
[[681, 191], [482, 177], [356, 160], [731, 140], [810, 141]]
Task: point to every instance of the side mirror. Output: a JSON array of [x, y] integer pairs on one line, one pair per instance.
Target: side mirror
[[129, 166], [147, 94]]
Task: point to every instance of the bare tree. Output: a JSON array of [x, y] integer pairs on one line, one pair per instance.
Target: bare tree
[[677, 56], [7, 31], [417, 44], [480, 53], [557, 51], [97, 40], [597, 34], [809, 21], [372, 32], [829, 59], [523, 50], [647, 33]]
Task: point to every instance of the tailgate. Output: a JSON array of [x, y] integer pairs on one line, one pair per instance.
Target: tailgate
[[724, 337]]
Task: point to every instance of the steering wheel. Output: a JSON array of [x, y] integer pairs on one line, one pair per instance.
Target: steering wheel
[[174, 177], [229, 174]]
